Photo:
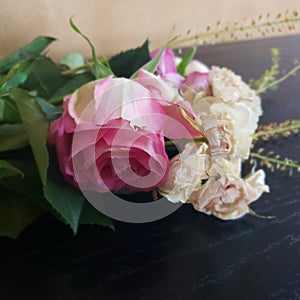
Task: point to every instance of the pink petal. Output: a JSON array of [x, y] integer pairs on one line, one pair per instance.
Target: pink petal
[[196, 81], [167, 62]]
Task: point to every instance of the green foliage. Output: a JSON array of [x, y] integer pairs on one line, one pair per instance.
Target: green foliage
[[17, 75], [66, 200], [33, 118], [266, 81], [185, 60], [90, 215], [45, 78], [30, 51], [98, 69], [29, 185], [275, 162], [8, 112], [73, 60], [8, 170], [275, 130], [12, 137], [16, 213], [52, 112], [70, 86], [127, 63], [150, 66], [31, 85]]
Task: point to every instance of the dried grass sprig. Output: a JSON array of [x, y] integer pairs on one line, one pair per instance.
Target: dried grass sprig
[[269, 76], [274, 162], [260, 26], [275, 130]]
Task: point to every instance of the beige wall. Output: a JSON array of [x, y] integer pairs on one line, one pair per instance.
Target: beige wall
[[116, 25]]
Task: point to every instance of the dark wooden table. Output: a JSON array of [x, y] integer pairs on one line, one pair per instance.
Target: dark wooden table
[[186, 255]]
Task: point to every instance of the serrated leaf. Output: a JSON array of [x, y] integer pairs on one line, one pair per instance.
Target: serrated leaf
[[45, 78], [12, 136], [185, 60], [29, 51], [16, 213], [70, 86], [17, 75], [65, 199], [90, 215], [33, 118], [8, 170], [128, 62], [73, 60], [99, 69]]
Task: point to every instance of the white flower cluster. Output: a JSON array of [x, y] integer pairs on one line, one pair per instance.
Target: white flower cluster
[[208, 175]]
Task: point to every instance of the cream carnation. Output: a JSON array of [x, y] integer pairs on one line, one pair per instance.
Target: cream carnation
[[229, 87], [187, 170]]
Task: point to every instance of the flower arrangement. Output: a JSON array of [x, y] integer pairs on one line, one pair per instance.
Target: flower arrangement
[[77, 136]]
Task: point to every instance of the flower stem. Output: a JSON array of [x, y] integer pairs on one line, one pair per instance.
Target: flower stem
[[253, 213], [196, 140], [293, 126], [290, 73], [75, 70], [286, 162], [180, 42]]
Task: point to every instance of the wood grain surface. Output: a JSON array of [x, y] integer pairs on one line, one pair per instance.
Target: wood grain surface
[[186, 255]]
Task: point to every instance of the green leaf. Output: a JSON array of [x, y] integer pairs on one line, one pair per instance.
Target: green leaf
[[8, 170], [17, 75], [73, 60], [150, 66], [126, 63], [99, 69], [90, 215], [66, 200], [12, 136], [30, 185], [29, 51], [8, 112], [36, 127], [185, 60], [52, 112], [16, 213], [70, 86], [45, 78]]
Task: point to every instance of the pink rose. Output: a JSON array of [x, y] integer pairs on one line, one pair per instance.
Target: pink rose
[[111, 134]]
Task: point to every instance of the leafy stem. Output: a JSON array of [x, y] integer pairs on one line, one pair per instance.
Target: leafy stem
[[267, 160], [283, 128], [236, 28], [85, 67], [195, 140], [283, 78], [99, 69]]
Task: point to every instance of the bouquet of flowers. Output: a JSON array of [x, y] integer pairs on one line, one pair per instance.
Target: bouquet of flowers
[[76, 137]]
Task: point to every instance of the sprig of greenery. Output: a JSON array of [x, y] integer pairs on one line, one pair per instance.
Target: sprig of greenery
[[262, 25], [275, 130], [281, 79], [274, 162], [269, 77], [98, 69]]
